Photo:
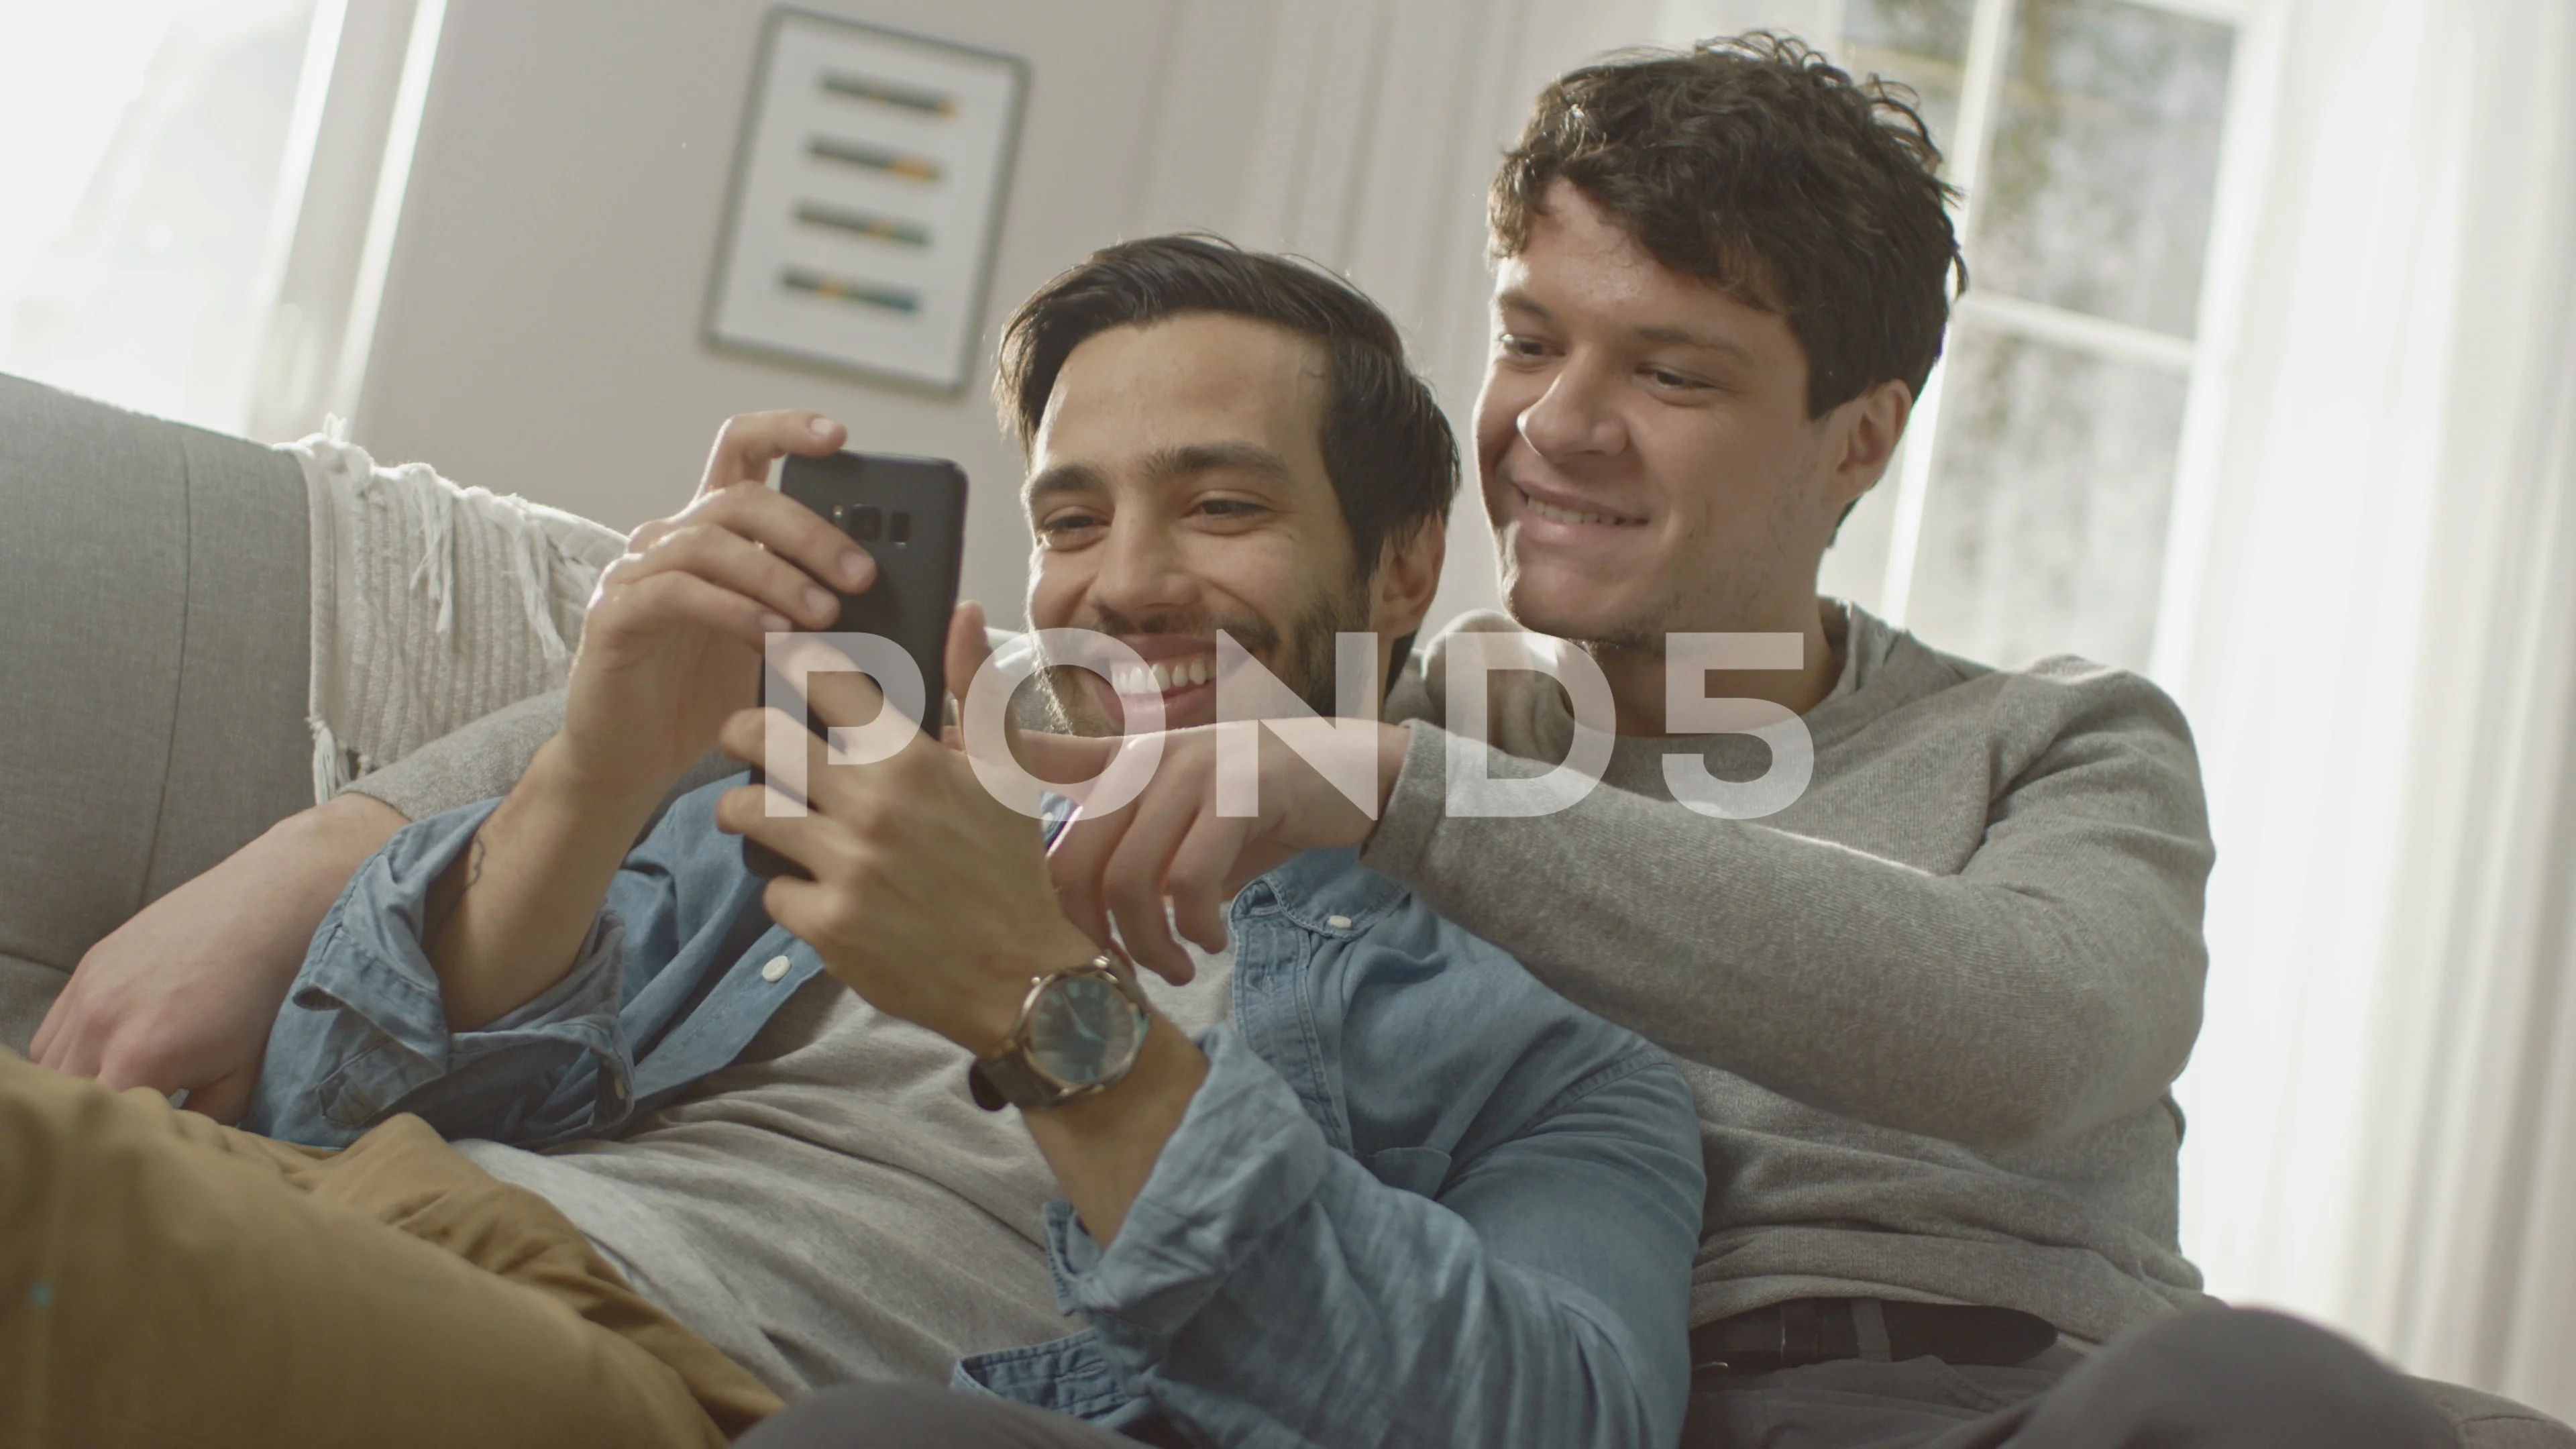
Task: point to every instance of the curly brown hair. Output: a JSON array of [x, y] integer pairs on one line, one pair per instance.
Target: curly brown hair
[[1755, 163]]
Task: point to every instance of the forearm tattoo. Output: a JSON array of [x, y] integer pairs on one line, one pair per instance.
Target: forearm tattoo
[[455, 898]]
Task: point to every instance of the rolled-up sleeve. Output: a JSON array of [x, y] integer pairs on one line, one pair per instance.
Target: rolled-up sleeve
[[1540, 1299], [364, 1027]]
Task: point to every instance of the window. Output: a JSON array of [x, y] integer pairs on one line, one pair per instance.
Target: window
[[152, 192], [2033, 509]]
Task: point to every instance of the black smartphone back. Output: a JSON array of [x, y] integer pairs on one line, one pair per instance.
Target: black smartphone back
[[910, 515]]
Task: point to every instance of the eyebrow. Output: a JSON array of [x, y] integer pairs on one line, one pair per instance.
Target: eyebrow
[[1516, 300], [1062, 478], [1161, 466], [1684, 337]]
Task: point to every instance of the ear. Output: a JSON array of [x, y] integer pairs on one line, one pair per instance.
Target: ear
[[1408, 574], [1868, 428]]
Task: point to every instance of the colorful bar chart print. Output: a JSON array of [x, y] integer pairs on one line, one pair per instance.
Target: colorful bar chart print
[[864, 223], [874, 158], [866, 192], [891, 93], [849, 289]]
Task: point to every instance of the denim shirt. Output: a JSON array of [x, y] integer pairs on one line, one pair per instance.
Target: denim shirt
[[1418, 1199]]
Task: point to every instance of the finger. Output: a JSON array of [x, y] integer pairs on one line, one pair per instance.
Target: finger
[[1202, 870], [790, 530], [813, 841], [1133, 882], [1075, 863], [835, 690], [748, 443], [1068, 763], [227, 1097], [729, 560], [968, 648], [814, 912], [674, 600], [825, 784], [782, 749], [120, 1070], [39, 1045], [75, 1047]]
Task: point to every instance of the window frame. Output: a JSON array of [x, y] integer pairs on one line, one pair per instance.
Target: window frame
[[2201, 359]]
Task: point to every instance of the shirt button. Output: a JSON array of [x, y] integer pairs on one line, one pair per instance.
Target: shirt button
[[776, 970], [1338, 923], [617, 1089]]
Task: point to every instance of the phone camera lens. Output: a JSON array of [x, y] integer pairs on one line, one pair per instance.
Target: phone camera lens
[[870, 520]]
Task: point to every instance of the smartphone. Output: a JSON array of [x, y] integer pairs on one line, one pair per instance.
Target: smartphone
[[910, 515]]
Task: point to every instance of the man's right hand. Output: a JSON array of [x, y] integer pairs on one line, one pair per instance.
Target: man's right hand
[[182, 996], [672, 642]]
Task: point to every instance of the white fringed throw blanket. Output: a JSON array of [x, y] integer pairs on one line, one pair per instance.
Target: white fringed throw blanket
[[433, 605]]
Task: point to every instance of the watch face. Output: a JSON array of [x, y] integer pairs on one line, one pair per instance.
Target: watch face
[[1084, 1031]]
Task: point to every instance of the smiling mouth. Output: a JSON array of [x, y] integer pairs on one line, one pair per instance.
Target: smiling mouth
[[1163, 678], [1555, 514]]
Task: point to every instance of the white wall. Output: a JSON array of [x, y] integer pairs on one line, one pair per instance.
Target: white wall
[[540, 331], [540, 326]]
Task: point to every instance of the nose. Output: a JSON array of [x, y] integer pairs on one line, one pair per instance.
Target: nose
[[1143, 570], [1573, 417]]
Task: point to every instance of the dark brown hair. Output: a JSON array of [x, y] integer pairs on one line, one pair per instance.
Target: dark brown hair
[[1389, 452], [1756, 164]]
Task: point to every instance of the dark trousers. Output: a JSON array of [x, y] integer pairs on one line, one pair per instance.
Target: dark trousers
[[2217, 1380]]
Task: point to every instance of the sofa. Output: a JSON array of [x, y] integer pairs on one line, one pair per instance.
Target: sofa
[[154, 688], [153, 679]]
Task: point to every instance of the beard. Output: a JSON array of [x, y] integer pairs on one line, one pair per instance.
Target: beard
[[1302, 655]]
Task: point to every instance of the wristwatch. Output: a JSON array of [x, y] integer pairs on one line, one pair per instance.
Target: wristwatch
[[1079, 1032]]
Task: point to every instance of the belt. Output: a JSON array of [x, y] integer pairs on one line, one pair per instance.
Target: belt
[[1817, 1330]]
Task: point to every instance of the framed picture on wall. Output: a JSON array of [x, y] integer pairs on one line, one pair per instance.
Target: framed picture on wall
[[867, 191]]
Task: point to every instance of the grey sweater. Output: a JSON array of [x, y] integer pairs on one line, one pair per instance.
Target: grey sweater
[[1932, 1011]]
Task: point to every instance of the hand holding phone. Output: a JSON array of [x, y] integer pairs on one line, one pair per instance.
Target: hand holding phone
[[910, 515]]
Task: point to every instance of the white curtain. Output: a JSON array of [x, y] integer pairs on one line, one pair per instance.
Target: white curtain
[[2383, 1105]]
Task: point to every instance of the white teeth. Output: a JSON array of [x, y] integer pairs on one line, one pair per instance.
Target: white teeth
[[1554, 514], [1161, 678]]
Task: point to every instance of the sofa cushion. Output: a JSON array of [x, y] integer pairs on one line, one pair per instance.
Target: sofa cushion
[[2487, 1421], [152, 680], [26, 990]]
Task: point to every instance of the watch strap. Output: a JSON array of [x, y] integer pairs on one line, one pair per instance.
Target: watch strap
[[1006, 1081]]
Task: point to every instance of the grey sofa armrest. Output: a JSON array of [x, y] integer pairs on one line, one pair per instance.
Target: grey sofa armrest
[[152, 672]]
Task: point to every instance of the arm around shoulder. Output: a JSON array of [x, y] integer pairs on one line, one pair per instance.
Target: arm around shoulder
[[2043, 926]]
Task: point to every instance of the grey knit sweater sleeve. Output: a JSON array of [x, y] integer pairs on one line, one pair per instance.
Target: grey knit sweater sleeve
[[1981, 923], [485, 758]]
